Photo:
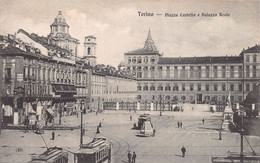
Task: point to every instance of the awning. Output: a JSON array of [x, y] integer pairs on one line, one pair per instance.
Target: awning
[[50, 111], [64, 89]]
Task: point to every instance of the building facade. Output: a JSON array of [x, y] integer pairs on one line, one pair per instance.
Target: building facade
[[110, 87], [192, 79], [42, 77]]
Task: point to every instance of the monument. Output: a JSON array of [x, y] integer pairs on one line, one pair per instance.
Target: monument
[[227, 114]]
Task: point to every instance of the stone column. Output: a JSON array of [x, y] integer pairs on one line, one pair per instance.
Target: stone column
[[138, 105]]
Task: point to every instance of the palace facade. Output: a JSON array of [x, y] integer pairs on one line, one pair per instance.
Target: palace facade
[[192, 79]]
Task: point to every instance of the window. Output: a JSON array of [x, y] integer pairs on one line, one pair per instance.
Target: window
[[152, 60], [191, 72], [145, 88], [8, 74], [139, 75], [152, 88], [134, 60], [183, 72], [139, 97], [129, 60], [247, 58], [175, 72], [145, 60], [168, 72], [247, 72], [232, 72], [247, 87], [254, 58], [240, 87], [160, 88], [199, 87], [168, 87], [240, 71], [215, 87], [223, 87], [215, 72], [183, 86], [199, 72], [207, 71], [254, 71], [160, 71], [207, 87], [191, 87], [223, 71], [175, 87], [231, 87], [139, 88], [139, 60]]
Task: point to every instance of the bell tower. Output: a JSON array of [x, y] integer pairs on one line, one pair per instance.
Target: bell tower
[[90, 50]]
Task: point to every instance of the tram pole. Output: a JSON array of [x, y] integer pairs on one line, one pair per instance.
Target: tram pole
[[241, 138], [81, 125]]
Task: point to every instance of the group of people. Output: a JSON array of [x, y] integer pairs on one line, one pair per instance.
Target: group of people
[[131, 158], [179, 124]]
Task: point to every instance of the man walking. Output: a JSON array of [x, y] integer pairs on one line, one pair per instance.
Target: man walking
[[183, 151], [178, 124], [134, 157], [181, 124], [203, 121], [129, 157]]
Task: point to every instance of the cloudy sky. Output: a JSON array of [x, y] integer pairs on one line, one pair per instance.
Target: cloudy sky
[[119, 28]]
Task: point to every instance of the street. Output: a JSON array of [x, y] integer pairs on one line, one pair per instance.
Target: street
[[201, 141]]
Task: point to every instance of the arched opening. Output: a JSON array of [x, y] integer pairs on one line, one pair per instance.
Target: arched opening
[[88, 51]]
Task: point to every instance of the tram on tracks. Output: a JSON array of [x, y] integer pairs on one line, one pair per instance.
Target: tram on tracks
[[52, 155], [97, 151], [143, 118]]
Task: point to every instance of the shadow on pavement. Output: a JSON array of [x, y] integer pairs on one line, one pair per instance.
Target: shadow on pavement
[[178, 155]]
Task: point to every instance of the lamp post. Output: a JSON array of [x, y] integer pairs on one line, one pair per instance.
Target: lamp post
[[160, 105], [81, 124]]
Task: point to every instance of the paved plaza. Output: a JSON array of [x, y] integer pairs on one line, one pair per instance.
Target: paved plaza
[[201, 141]]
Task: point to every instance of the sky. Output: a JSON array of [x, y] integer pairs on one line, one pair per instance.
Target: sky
[[119, 28]]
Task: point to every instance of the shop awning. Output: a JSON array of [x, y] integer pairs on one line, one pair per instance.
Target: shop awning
[[64, 89], [50, 111]]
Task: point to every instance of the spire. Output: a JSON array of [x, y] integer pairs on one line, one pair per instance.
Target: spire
[[149, 43]]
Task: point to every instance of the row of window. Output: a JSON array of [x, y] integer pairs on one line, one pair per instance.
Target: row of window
[[140, 60], [191, 98], [248, 58], [198, 87]]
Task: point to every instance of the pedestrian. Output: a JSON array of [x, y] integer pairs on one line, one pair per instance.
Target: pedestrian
[[220, 135], [98, 130], [130, 118], [183, 151], [129, 157], [154, 131], [181, 124], [53, 135], [203, 121], [100, 124], [134, 157], [178, 124]]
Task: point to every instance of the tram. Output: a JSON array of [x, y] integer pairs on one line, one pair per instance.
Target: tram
[[97, 151], [52, 155], [142, 119]]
